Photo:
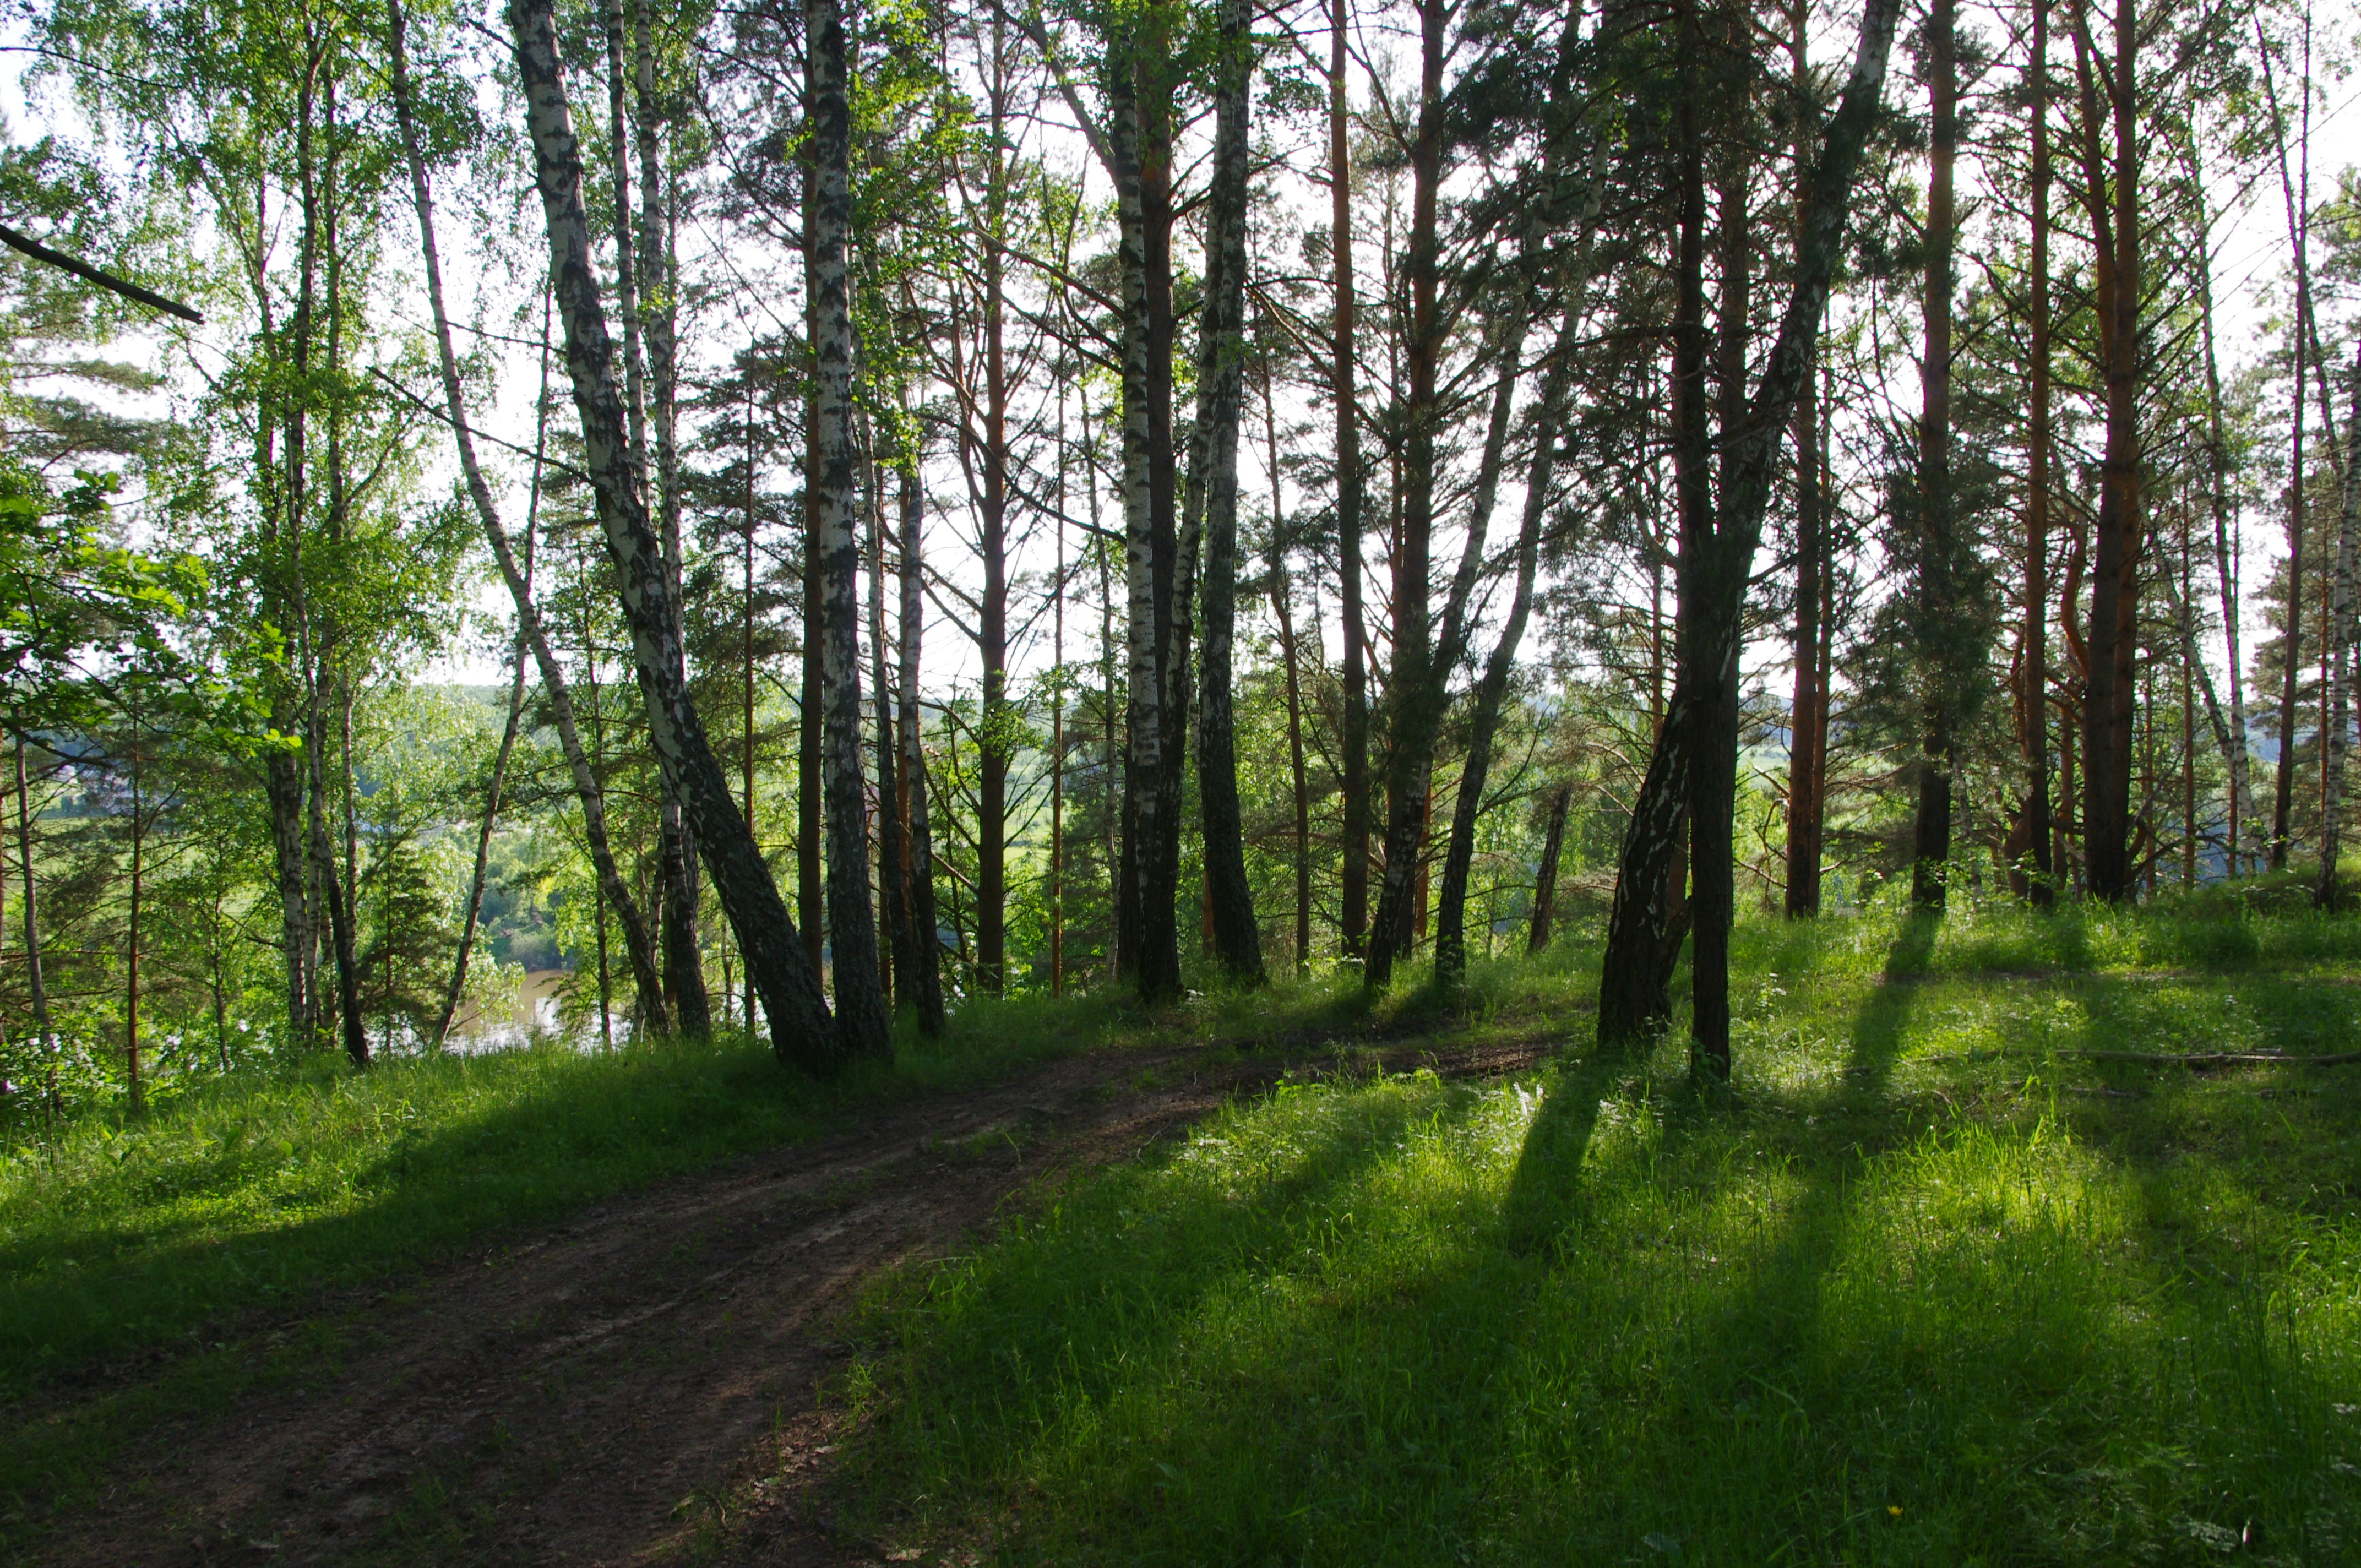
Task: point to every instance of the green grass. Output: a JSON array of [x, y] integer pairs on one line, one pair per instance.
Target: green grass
[[236, 1235], [260, 1191], [1916, 1289]]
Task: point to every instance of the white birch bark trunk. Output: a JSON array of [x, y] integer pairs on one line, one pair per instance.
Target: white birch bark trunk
[[861, 1024], [801, 1029], [639, 951], [1214, 487]]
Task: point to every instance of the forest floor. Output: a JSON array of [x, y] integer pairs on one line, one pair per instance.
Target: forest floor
[[1302, 1277], [641, 1382]]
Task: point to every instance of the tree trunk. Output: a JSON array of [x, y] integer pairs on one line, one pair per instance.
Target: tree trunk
[[892, 888], [1450, 936], [801, 1029], [2339, 634], [131, 947], [861, 1024], [1281, 598], [922, 982], [587, 787], [1213, 485], [340, 919], [1057, 910], [2112, 644], [1806, 810], [2231, 734], [2040, 829], [1936, 588], [1174, 540], [1642, 940], [475, 901], [1353, 916], [37, 990], [1414, 681], [1545, 880], [2296, 196], [637, 260], [1149, 938], [992, 618]]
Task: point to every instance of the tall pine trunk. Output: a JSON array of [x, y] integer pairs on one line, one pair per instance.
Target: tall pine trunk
[[1807, 810], [1354, 914], [1282, 603], [1936, 587], [2040, 829], [2110, 692], [1414, 681], [2230, 730]]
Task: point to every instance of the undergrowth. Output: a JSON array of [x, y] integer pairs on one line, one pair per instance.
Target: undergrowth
[[1920, 1285]]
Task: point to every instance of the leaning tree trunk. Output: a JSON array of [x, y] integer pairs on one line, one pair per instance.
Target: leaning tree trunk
[[861, 1024], [1459, 858], [1214, 479], [474, 909], [1649, 915], [2339, 631], [1545, 878], [801, 1029], [639, 950], [2230, 730], [1640, 942]]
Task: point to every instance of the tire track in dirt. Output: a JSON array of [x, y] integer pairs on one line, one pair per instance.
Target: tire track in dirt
[[641, 1383]]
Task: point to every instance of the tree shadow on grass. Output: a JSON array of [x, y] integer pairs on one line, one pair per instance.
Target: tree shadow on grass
[[1878, 1028]]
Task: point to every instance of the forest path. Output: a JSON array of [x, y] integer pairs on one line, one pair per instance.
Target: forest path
[[642, 1383]]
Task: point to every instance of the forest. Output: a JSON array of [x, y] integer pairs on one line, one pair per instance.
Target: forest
[[1389, 675]]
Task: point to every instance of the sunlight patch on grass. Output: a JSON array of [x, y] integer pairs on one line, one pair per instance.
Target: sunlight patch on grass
[[1892, 1300]]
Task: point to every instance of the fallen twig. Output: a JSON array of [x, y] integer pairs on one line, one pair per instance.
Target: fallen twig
[[2165, 1058], [2216, 1058]]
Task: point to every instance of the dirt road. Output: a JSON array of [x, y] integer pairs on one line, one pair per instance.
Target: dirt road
[[640, 1383]]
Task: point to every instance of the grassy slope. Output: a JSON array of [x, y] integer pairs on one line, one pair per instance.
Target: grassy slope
[[1920, 1290], [260, 1191], [172, 1251]]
